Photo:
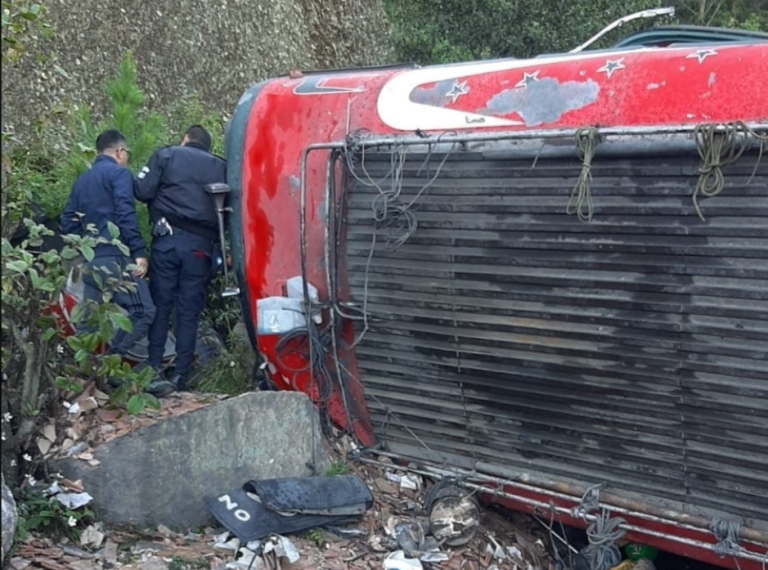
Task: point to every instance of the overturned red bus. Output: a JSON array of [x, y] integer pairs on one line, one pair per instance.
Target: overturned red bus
[[544, 274]]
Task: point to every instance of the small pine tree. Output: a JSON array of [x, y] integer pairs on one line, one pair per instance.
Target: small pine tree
[[143, 130]]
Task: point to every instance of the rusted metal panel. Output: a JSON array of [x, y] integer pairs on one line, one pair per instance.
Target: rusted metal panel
[[631, 351]]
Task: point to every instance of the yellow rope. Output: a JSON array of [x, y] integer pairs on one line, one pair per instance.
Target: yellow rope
[[719, 146], [580, 202]]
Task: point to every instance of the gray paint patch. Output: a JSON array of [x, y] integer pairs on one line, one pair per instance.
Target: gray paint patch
[[433, 96], [543, 101], [293, 183]]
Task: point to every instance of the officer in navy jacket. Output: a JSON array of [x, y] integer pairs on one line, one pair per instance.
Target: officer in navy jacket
[[102, 196], [184, 239]]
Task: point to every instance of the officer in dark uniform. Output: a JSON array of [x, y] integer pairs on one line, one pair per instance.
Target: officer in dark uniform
[[184, 239], [101, 196]]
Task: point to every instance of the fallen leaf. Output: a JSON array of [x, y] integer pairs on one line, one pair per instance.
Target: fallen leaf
[[44, 446], [384, 486], [85, 456], [86, 403], [72, 434], [19, 563], [101, 397], [110, 552], [83, 565], [49, 432], [49, 564], [67, 444], [94, 463], [74, 486]]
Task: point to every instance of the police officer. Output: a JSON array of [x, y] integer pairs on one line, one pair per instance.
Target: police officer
[[100, 196], [184, 236]]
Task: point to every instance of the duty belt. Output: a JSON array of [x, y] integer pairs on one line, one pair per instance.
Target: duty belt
[[162, 228]]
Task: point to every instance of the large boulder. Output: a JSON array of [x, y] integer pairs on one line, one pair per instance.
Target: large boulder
[[10, 518], [161, 473]]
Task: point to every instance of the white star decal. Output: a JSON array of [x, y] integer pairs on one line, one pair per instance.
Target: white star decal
[[457, 90], [528, 78], [611, 66], [701, 54]]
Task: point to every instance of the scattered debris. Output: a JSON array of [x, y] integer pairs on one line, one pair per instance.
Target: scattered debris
[[92, 537], [110, 552], [399, 561], [74, 500], [394, 520]]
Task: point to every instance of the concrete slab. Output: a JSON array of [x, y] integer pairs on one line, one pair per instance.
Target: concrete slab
[[160, 474]]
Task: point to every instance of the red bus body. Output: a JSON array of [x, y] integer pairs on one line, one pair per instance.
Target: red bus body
[[646, 94]]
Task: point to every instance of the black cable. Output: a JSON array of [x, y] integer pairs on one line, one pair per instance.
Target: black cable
[[316, 360]]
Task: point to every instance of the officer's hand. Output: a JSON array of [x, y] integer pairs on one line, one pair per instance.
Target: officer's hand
[[143, 266]]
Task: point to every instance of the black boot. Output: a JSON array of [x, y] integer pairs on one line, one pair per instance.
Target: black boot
[[158, 386], [179, 382]]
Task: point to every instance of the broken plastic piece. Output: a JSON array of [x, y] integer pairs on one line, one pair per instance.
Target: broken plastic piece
[[434, 557], [282, 547], [74, 500], [399, 561]]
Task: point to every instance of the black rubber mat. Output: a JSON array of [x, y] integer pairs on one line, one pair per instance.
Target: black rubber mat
[[335, 501], [338, 495]]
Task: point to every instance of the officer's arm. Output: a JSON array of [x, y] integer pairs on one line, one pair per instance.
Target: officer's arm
[[125, 213], [70, 221], [148, 180]]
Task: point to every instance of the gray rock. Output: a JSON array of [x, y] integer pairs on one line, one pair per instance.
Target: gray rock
[[10, 518], [162, 473]]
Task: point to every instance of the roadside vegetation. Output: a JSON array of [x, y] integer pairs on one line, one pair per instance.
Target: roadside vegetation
[[42, 370]]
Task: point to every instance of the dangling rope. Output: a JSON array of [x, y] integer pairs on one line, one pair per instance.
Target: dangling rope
[[590, 501], [580, 202], [719, 146], [603, 534], [727, 535]]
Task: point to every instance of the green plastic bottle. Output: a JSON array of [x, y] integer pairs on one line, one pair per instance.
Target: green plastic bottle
[[635, 552]]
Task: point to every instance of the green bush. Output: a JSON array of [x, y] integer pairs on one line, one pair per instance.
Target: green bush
[[42, 513], [445, 31], [145, 132]]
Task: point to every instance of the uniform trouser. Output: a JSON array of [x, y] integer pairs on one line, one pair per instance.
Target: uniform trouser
[[134, 298], [179, 272]]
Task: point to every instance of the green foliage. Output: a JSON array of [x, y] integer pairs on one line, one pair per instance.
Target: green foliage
[[462, 30], [315, 535], [230, 372], [57, 165], [189, 111], [19, 19], [143, 130], [42, 513], [337, 468]]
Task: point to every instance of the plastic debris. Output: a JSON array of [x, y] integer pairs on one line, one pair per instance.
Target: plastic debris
[[399, 561], [282, 547], [91, 538], [74, 500]]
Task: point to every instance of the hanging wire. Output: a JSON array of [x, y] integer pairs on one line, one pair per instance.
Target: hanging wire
[[580, 202], [393, 215]]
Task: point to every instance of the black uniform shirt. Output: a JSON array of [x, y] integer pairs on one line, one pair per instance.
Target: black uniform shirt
[[173, 186]]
